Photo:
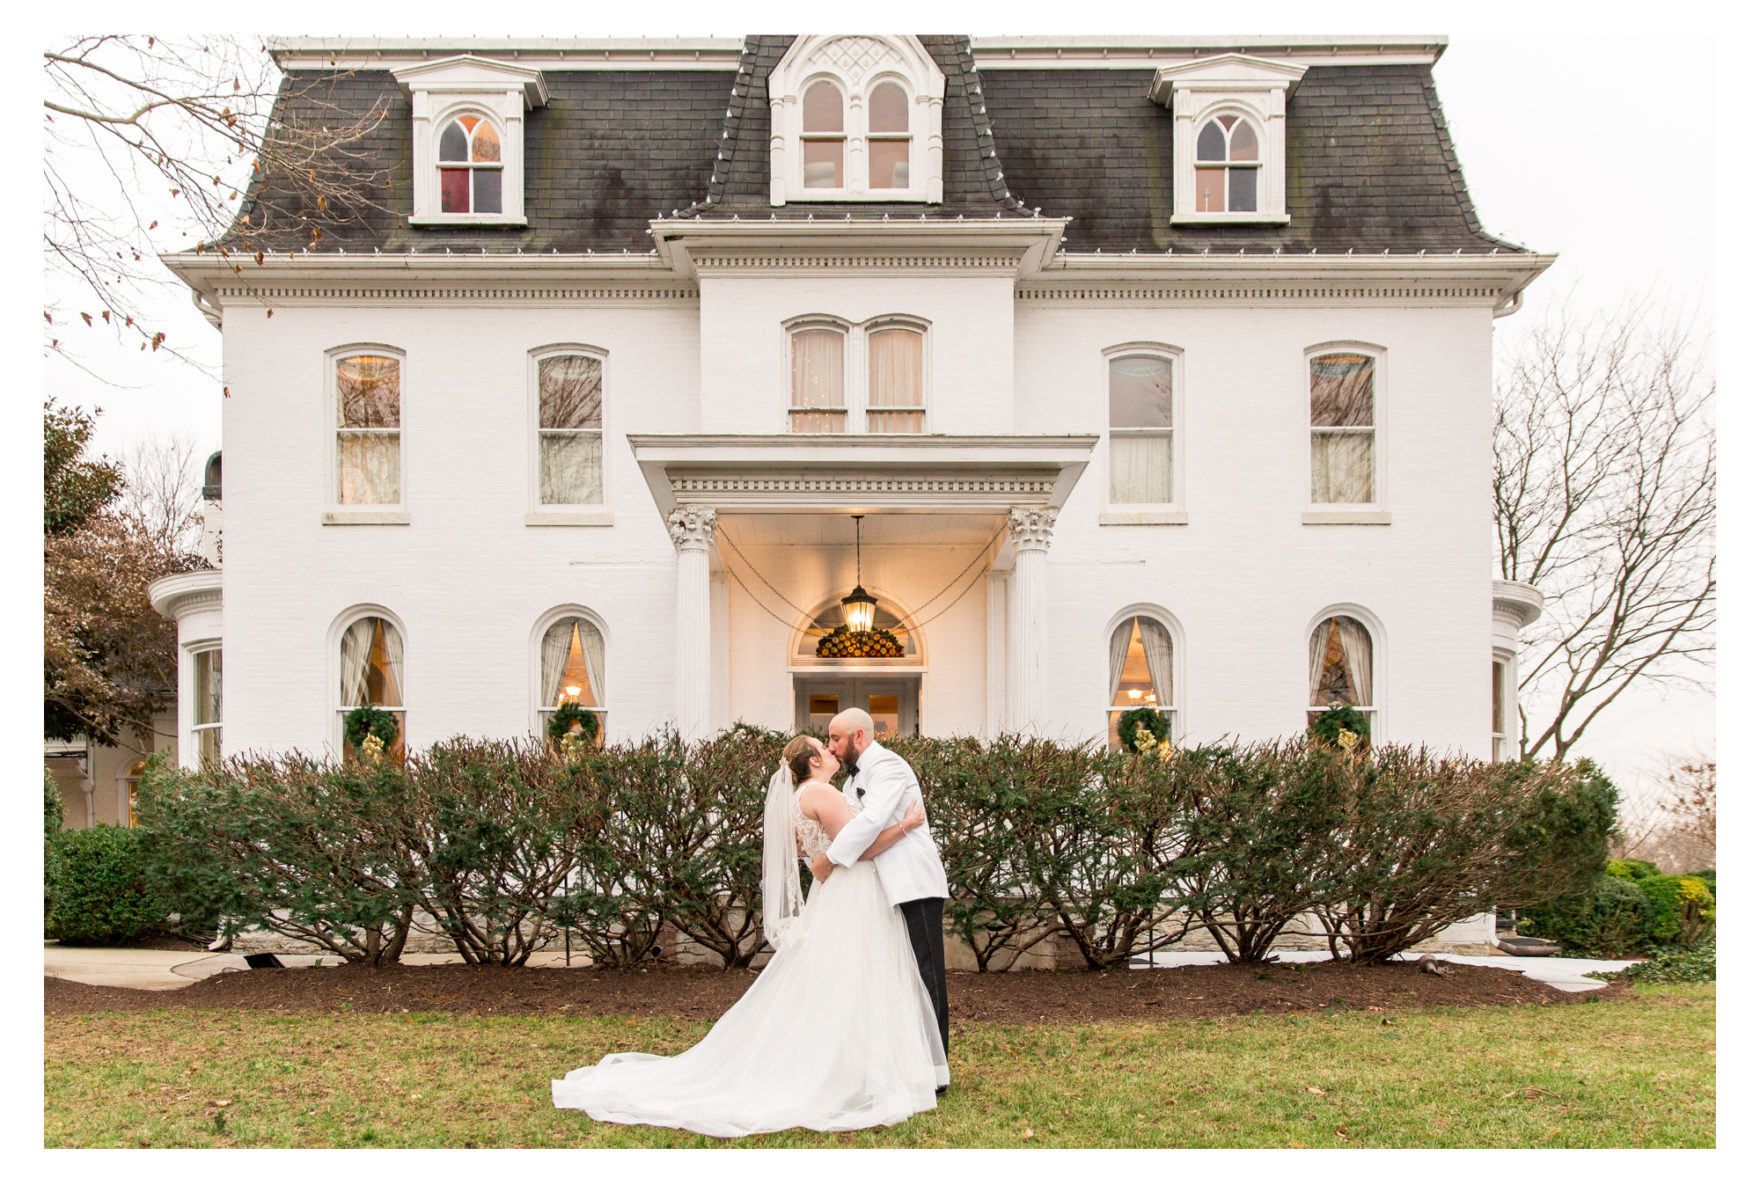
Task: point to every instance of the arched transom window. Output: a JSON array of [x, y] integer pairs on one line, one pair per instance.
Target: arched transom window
[[470, 166]]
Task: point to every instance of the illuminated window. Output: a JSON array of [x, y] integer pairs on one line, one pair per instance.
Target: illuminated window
[[1341, 667], [1141, 673], [571, 670], [372, 673]]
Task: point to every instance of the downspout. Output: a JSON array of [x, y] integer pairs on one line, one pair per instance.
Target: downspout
[[1509, 306]]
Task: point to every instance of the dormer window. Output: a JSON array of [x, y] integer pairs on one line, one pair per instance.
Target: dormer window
[[467, 116], [856, 118], [1228, 137]]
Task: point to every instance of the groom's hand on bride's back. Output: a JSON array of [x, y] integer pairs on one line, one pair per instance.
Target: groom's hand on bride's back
[[821, 867]]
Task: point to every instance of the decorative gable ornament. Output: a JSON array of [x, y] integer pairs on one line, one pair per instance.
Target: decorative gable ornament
[[856, 118], [467, 115], [1228, 137]]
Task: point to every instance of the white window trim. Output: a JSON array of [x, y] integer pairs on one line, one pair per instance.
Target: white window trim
[[444, 89], [364, 513], [538, 513], [1173, 512], [333, 673], [1376, 511], [845, 60], [1377, 711], [855, 367], [1230, 83], [1176, 632], [1505, 728], [538, 710], [195, 649], [187, 757]]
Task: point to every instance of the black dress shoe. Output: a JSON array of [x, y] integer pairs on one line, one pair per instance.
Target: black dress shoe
[[941, 1091]]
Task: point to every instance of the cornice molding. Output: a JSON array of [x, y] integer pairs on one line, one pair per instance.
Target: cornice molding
[[990, 53], [185, 593], [562, 53]]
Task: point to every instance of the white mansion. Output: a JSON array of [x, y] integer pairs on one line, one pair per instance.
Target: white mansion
[[1158, 372]]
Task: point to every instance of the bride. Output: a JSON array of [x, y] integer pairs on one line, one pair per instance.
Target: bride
[[837, 1033]]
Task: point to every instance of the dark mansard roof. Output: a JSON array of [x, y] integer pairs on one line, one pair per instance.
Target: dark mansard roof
[[1369, 163]]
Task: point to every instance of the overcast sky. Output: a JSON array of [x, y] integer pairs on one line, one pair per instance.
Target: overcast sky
[[1562, 139]]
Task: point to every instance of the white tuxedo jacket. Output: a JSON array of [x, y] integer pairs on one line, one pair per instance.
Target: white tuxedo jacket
[[885, 787]]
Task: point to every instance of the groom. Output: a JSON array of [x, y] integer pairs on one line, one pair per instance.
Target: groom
[[910, 870]]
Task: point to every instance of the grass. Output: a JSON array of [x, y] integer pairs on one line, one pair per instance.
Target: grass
[[1635, 1073]]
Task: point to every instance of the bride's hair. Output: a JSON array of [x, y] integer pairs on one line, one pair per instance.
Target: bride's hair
[[798, 755]]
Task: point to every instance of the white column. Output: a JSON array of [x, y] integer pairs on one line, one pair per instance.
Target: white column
[[692, 530], [1029, 530]]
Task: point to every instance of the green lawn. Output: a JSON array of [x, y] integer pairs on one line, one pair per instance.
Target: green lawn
[[1637, 1073]]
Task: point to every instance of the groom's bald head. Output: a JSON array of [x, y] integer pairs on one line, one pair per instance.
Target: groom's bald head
[[851, 732]]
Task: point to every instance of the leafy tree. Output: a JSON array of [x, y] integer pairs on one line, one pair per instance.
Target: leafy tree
[[109, 660]]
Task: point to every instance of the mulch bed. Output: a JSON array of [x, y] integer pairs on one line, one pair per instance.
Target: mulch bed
[[1196, 991]]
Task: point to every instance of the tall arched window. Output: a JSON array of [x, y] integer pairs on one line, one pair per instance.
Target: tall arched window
[[1228, 166], [1341, 407], [571, 448], [1341, 667], [369, 455], [822, 136], [1140, 673], [571, 669], [470, 166], [889, 137], [1140, 417], [372, 673]]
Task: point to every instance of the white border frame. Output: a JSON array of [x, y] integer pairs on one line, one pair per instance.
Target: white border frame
[[1147, 513], [539, 514], [535, 660], [365, 513], [1377, 510], [1378, 685]]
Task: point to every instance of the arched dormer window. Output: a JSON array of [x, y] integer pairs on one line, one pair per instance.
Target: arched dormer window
[[470, 166], [856, 118], [1228, 166], [467, 116], [1228, 136]]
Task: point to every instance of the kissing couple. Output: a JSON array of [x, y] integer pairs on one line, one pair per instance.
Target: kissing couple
[[846, 1027]]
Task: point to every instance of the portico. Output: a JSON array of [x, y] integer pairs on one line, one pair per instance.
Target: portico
[[955, 532]]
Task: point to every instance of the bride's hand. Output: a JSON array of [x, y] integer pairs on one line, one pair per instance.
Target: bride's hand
[[913, 817]]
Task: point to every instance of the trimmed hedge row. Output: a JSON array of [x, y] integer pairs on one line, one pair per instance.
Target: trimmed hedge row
[[503, 845]]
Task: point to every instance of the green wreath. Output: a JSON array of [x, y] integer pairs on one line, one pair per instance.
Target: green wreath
[[1159, 724], [366, 721], [1336, 719], [564, 719]]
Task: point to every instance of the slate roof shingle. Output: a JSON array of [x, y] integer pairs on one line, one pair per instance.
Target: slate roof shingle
[[1369, 163]]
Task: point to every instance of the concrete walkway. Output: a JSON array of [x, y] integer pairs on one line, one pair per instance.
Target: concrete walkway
[[1561, 973], [158, 969]]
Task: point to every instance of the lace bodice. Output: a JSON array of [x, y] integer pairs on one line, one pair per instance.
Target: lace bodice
[[809, 836]]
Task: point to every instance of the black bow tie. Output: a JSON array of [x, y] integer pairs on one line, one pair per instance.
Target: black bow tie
[[854, 769]]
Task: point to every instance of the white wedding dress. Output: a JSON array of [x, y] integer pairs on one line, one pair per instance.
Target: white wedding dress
[[837, 1033]]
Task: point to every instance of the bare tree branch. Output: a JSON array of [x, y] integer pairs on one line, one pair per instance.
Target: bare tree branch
[[1604, 493], [150, 143]]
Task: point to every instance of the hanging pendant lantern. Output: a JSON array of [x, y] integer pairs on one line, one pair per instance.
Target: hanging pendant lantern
[[858, 606]]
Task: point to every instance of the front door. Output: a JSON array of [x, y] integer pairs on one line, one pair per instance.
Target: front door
[[890, 699]]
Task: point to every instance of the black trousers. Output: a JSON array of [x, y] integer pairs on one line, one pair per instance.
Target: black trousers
[[923, 919]]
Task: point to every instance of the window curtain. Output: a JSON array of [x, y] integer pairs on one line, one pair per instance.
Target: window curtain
[[1121, 646], [1142, 468], [357, 648], [1357, 660], [553, 660], [1158, 650], [393, 666], [1317, 661], [366, 467], [1343, 467], [818, 369], [895, 381], [593, 651]]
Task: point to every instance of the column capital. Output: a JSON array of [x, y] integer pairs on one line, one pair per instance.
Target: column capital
[[691, 528], [1030, 528]]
